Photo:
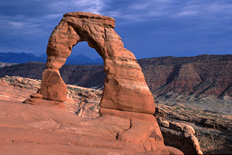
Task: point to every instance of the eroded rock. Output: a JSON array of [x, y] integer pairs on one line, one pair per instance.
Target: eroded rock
[[125, 87], [179, 135], [125, 94], [53, 86]]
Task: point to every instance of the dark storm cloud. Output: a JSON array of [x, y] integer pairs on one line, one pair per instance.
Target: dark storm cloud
[[178, 28], [148, 28]]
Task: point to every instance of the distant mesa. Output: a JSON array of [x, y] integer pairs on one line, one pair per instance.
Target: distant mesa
[[125, 94]]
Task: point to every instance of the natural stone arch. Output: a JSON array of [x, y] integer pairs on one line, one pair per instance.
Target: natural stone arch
[[125, 93], [125, 87]]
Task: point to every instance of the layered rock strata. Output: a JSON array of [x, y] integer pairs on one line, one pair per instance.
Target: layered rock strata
[[125, 93], [180, 135]]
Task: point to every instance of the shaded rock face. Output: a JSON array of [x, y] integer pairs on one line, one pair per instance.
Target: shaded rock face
[[180, 135], [199, 75]]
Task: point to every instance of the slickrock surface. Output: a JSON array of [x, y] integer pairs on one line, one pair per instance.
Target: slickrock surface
[[81, 101], [84, 102], [17, 88], [30, 129], [213, 130]]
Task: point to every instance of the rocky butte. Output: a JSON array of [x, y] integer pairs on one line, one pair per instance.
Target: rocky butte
[[127, 105]]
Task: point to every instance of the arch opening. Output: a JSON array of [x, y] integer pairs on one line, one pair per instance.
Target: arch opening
[[87, 73], [82, 54], [83, 48]]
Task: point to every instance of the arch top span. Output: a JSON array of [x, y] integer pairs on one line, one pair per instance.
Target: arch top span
[[103, 20], [95, 29]]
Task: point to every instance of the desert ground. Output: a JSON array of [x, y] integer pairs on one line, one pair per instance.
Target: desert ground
[[213, 130]]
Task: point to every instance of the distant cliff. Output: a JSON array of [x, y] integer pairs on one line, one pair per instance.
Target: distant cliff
[[204, 74]]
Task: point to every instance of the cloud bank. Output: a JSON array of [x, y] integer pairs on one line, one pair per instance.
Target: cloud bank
[[175, 27]]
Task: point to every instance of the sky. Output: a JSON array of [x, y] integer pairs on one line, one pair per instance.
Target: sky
[[148, 28]]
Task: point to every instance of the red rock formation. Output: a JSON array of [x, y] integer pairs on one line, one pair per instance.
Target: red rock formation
[[53, 88], [125, 87], [125, 93]]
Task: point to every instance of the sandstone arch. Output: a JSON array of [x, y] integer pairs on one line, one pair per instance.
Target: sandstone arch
[[125, 93], [125, 87]]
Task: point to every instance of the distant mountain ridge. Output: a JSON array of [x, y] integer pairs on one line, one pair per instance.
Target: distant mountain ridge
[[204, 74], [79, 59], [17, 57]]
